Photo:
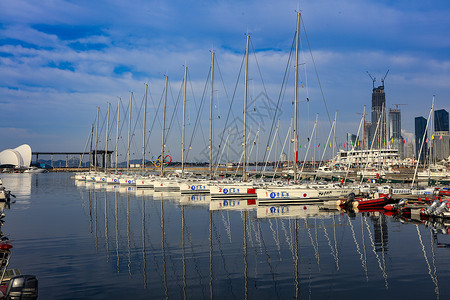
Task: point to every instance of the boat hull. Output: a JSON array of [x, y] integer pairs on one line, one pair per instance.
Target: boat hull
[[232, 191], [166, 186], [194, 187], [148, 183], [290, 195]]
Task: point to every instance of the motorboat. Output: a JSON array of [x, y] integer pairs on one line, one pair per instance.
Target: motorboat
[[35, 170], [378, 201]]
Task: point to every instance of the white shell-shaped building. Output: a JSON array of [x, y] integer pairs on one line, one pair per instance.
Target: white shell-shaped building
[[18, 158]]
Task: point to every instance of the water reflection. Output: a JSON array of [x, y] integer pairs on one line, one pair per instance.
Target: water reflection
[[269, 237], [195, 247], [232, 204], [20, 185], [197, 200]]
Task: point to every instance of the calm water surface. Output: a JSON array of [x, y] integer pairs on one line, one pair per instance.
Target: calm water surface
[[90, 241]]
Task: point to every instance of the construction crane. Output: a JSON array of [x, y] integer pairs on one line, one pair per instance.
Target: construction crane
[[397, 104], [373, 79], [382, 80]]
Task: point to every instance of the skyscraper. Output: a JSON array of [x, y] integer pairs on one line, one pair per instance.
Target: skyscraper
[[441, 135], [378, 130], [395, 127], [440, 120], [421, 137], [367, 140], [352, 143]]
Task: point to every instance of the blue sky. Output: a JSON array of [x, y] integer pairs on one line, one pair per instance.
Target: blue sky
[[59, 60]]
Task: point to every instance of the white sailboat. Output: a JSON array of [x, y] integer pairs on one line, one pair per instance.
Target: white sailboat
[[243, 189], [302, 193], [128, 179], [165, 184], [191, 185], [299, 193], [113, 178], [144, 181]]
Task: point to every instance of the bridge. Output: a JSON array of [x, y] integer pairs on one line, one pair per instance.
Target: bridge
[[105, 156]]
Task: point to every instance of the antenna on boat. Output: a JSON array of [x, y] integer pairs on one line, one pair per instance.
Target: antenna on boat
[[373, 79]]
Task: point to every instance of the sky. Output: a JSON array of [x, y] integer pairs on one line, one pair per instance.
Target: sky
[[61, 60]]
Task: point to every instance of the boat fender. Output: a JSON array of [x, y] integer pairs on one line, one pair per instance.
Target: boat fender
[[432, 207], [403, 202], [441, 209]]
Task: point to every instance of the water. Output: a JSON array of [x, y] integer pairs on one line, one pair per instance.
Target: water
[[87, 241]]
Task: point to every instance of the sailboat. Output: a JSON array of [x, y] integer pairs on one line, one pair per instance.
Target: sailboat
[[235, 189], [144, 181], [128, 179], [165, 184], [191, 185], [113, 178], [92, 176], [299, 193]]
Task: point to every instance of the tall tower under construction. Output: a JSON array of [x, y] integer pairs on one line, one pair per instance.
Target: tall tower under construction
[[378, 129]]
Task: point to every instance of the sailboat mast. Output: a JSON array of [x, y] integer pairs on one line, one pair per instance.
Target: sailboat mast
[[257, 148], [117, 135], [244, 161], [296, 98], [90, 151], [143, 133], [184, 114], [315, 143], [129, 133], [96, 141], [431, 152], [163, 127], [421, 145], [107, 137], [211, 116], [334, 137]]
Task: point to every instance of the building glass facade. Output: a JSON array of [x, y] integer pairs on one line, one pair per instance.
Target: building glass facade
[[420, 125]]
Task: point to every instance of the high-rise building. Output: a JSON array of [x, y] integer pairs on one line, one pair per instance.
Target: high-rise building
[[421, 137], [440, 120], [441, 145], [352, 142], [378, 130], [409, 150], [367, 140], [395, 127], [441, 135]]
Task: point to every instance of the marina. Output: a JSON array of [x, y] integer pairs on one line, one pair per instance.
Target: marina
[[234, 185], [96, 238]]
